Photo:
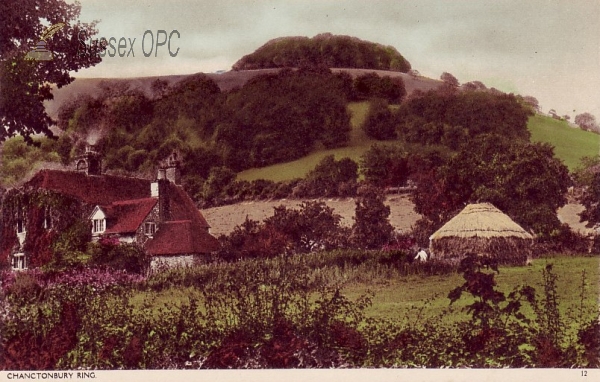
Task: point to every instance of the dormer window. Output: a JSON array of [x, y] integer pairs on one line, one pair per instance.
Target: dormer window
[[98, 220], [149, 228]]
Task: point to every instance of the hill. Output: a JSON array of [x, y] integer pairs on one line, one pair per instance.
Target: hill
[[570, 143], [324, 49], [226, 81]]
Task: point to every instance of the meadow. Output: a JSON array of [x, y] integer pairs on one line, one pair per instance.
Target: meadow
[[570, 143]]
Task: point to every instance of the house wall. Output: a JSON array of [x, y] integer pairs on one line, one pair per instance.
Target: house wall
[[159, 262], [153, 216]]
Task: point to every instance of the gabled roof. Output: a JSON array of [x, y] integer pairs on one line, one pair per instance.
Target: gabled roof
[[92, 189], [481, 220], [126, 216], [183, 208], [181, 237]]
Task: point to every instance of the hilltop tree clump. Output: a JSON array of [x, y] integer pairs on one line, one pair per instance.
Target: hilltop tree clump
[[325, 49]]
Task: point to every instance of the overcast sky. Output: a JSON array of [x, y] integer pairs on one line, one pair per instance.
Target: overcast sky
[[546, 48]]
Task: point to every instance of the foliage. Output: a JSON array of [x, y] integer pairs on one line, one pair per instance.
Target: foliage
[[590, 199], [20, 159], [372, 86], [70, 246], [27, 83], [305, 108], [118, 256], [312, 227], [523, 180], [449, 79], [330, 177], [587, 122], [385, 166], [371, 228], [324, 49], [477, 112], [380, 123]]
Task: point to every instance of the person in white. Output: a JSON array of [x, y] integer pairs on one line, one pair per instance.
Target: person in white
[[422, 255]]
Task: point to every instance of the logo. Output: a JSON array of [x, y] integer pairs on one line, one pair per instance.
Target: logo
[[41, 52]]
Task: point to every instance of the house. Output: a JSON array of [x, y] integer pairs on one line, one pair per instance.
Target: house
[[484, 230], [156, 214]]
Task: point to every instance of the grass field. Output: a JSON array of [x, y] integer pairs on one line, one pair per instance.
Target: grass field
[[419, 297], [403, 298], [570, 144]]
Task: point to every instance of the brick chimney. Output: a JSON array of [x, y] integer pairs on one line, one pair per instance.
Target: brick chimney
[[172, 168], [89, 162]]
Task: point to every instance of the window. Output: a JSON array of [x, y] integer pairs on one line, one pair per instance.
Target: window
[[20, 225], [149, 228], [47, 222], [18, 261], [99, 226]]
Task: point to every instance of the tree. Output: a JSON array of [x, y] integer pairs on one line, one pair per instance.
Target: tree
[[384, 166], [313, 227], [379, 123], [587, 122], [449, 79], [591, 201], [27, 83], [522, 179], [327, 178], [371, 228]]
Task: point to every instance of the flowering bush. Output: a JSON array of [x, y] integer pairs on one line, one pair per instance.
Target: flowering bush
[[97, 278]]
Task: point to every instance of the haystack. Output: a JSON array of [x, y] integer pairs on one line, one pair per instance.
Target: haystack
[[484, 230]]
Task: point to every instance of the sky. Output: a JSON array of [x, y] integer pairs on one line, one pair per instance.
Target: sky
[[549, 49]]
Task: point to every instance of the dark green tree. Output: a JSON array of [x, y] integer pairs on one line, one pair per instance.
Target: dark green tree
[[371, 228], [380, 123], [590, 199], [524, 180], [384, 166], [26, 82]]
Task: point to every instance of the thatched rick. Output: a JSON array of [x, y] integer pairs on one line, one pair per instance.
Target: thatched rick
[[484, 230]]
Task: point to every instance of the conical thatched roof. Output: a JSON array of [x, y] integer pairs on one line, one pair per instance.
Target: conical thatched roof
[[485, 230], [481, 220]]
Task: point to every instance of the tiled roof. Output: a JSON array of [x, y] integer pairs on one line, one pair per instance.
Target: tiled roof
[[126, 201], [126, 216], [181, 237], [92, 189], [183, 208]]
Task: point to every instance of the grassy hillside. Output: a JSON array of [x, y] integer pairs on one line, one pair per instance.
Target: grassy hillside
[[359, 143], [570, 144]]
